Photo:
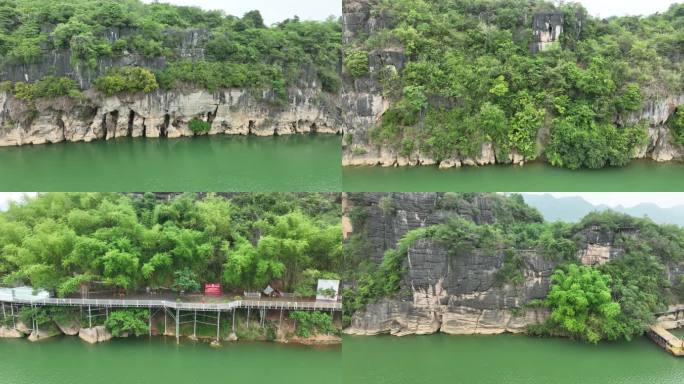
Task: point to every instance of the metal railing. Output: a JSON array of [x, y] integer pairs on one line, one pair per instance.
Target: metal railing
[[285, 305]]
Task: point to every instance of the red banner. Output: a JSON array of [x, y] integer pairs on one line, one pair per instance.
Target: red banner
[[212, 289]]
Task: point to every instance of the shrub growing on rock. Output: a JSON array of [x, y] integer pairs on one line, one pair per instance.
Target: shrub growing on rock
[[127, 79], [198, 126], [356, 63], [127, 321]]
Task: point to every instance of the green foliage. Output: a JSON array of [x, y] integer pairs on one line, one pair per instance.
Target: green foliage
[[126, 79], [127, 321], [48, 87], [510, 271], [312, 323], [356, 63], [676, 124], [387, 206], [185, 281], [592, 145], [40, 314], [241, 48], [581, 304], [198, 126], [469, 77], [62, 241], [309, 281], [289, 245]]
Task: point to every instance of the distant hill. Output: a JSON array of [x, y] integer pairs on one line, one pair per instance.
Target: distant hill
[[572, 209]]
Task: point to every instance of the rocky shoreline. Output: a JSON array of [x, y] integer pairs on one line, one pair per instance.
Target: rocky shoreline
[[165, 114], [361, 152], [99, 334]]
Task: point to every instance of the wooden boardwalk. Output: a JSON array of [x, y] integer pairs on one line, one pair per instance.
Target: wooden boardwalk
[[101, 307], [666, 340], [180, 305]]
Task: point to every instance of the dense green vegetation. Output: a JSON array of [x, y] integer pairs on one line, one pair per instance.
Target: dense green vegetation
[[125, 322], [63, 241], [676, 124], [605, 302], [126, 79], [198, 126], [47, 87], [581, 303], [238, 51], [313, 322], [470, 78]]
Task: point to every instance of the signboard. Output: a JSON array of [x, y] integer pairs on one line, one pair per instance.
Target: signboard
[[327, 289], [212, 289]]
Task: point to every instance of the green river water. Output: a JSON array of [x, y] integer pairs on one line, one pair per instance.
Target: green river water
[[640, 176], [298, 163], [68, 360], [505, 359]]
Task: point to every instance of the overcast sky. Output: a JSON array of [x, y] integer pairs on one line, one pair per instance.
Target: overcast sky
[[607, 8], [6, 197], [272, 10], [626, 199]]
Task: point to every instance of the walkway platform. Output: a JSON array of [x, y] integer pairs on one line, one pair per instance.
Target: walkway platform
[[666, 340], [180, 305]]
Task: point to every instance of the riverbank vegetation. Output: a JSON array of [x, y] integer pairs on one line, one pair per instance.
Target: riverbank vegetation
[[467, 75], [63, 242], [173, 45], [607, 300]]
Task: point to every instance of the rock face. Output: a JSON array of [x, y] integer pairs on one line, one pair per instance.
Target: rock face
[[69, 328], [160, 114], [10, 333], [165, 114], [460, 294], [44, 333], [547, 28], [58, 62], [94, 335], [364, 104]]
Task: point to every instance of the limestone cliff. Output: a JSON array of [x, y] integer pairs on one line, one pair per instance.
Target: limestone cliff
[[365, 104], [461, 295], [164, 114], [308, 109]]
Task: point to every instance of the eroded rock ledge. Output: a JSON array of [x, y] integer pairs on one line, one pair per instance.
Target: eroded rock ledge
[[165, 114]]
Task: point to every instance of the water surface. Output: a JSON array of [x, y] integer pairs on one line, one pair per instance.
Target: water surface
[[68, 360], [298, 163], [640, 176], [505, 359]]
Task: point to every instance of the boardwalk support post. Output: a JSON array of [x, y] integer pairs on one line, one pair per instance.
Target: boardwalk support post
[[233, 325], [177, 326], [218, 325], [90, 318], [149, 322], [248, 317], [14, 320], [280, 322], [194, 326]]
